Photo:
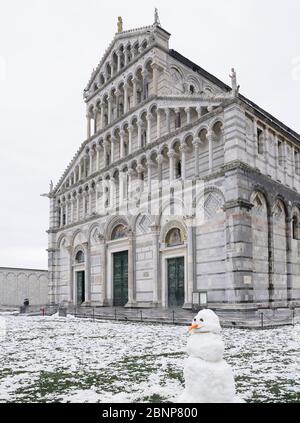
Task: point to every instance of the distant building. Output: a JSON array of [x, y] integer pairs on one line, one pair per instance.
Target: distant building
[[16, 285], [183, 186]]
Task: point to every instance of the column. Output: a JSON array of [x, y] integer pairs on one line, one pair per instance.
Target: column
[[118, 93], [266, 140], [105, 147], [72, 211], [84, 195], [183, 149], [78, 207], [95, 119], [109, 100], [139, 125], [144, 84], [119, 61], [134, 85], [140, 170], [131, 261], [112, 148], [155, 78], [196, 143], [190, 265], [112, 185], [199, 111], [90, 201], [130, 132], [102, 105], [177, 118], [276, 157], [293, 167], [122, 135], [188, 115], [88, 130], [155, 277], [149, 175], [98, 148], [210, 150], [84, 166], [167, 111], [87, 274], [67, 212], [160, 160], [90, 161], [70, 296], [158, 131], [103, 300], [125, 98], [61, 216], [149, 120], [171, 156]]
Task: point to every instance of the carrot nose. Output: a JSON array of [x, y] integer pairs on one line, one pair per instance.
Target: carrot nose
[[193, 327]]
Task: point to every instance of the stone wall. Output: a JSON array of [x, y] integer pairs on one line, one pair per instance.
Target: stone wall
[[18, 284]]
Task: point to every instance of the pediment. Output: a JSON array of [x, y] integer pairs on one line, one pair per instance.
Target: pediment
[[130, 43]]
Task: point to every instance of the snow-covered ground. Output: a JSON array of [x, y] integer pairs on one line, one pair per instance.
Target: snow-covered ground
[[72, 360]]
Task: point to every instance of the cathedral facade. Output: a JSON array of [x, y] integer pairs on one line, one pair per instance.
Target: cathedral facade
[[184, 191]]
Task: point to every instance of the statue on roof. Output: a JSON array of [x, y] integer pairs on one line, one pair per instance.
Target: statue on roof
[[156, 17], [234, 85], [120, 24], [51, 186]]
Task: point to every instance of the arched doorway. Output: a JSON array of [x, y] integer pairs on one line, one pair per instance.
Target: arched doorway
[[120, 269], [175, 270], [80, 278]]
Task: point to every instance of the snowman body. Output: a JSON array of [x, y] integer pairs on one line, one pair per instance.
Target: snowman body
[[208, 378]]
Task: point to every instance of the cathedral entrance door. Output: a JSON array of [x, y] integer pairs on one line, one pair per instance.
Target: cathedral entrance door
[[80, 283], [120, 278], [176, 282]]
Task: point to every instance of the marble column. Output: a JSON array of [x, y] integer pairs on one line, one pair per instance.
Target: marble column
[[183, 149], [88, 119], [172, 156], [134, 85], [112, 148], [190, 265], [156, 270], [102, 105], [130, 132], [210, 150], [188, 115], [71, 282], [158, 123], [103, 249], [78, 207], [87, 275], [131, 272], [149, 121], [118, 94], [140, 126], [98, 149], [168, 120], [199, 111], [196, 144], [109, 100], [90, 162], [126, 98], [122, 135]]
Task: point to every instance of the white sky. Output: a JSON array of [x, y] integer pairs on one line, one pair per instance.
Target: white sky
[[48, 49]]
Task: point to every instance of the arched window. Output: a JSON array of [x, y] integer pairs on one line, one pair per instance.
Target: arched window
[[174, 238], [178, 169], [80, 257], [119, 232], [295, 227]]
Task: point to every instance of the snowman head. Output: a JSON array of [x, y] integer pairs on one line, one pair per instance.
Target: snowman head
[[206, 321]]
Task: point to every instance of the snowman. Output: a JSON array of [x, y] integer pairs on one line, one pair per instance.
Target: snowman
[[208, 378]]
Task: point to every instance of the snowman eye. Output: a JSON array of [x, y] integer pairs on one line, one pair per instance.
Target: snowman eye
[[201, 320], [194, 320]]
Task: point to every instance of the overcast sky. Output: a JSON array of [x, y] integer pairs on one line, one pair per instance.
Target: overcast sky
[[48, 49]]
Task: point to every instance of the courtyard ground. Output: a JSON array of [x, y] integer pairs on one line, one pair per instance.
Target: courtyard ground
[[53, 359]]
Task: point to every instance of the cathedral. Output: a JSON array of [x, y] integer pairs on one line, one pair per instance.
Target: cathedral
[[184, 192]]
